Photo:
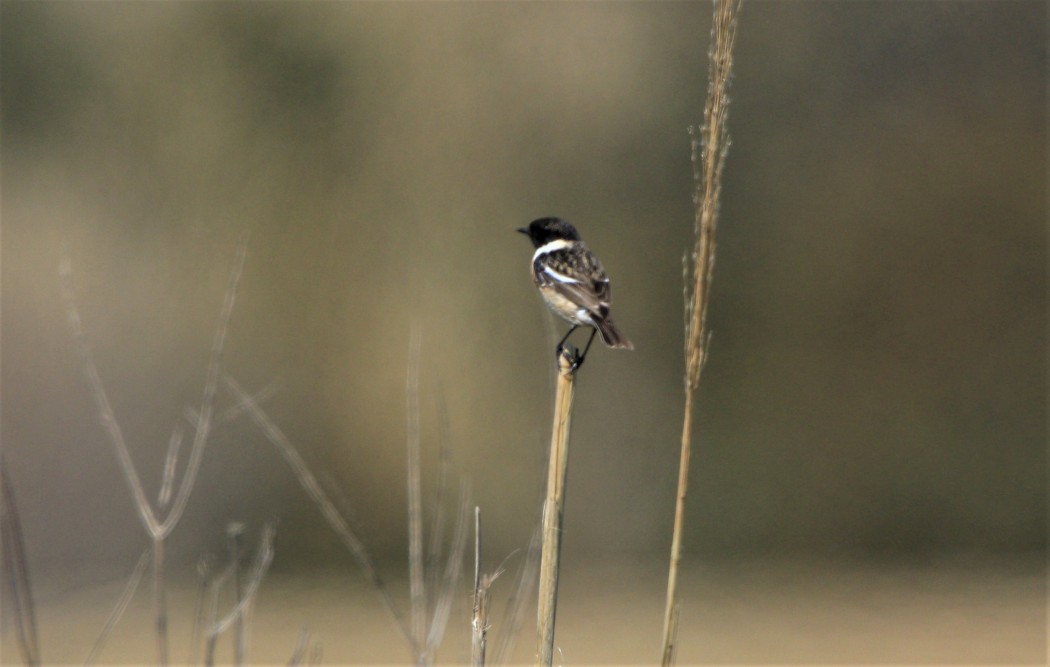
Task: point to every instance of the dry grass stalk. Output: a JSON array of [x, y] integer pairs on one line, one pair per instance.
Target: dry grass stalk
[[553, 509], [479, 619], [431, 586], [118, 609], [324, 503], [708, 157], [416, 588], [423, 635], [245, 598], [233, 540], [513, 616], [302, 644], [450, 576], [158, 522], [204, 567], [16, 572]]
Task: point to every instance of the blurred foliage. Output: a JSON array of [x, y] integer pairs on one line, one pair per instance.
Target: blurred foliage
[[877, 374]]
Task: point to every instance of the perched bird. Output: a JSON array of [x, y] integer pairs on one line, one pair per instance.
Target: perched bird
[[572, 282]]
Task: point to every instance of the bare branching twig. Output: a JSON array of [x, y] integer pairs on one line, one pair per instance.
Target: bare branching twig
[[158, 522]]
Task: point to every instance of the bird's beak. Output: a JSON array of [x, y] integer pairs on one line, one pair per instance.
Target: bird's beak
[[523, 230]]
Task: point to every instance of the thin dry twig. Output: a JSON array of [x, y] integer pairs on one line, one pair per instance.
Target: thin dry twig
[[417, 591], [122, 605], [263, 559], [204, 567], [160, 522], [234, 530], [479, 619], [233, 412], [422, 634], [170, 461], [328, 509], [513, 616], [450, 575], [709, 147], [431, 585], [16, 572], [553, 509], [302, 643], [437, 522]]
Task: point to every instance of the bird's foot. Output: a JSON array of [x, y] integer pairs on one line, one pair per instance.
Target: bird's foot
[[570, 352]]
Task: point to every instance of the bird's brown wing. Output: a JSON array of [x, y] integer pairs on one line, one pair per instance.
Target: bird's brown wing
[[577, 275]]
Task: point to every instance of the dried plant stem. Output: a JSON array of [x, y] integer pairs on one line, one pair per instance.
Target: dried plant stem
[[328, 509], [450, 577], [302, 643], [160, 603], [122, 604], [553, 508], [204, 567], [233, 538], [263, 559], [479, 619], [708, 157], [158, 522], [513, 616], [417, 590], [16, 572]]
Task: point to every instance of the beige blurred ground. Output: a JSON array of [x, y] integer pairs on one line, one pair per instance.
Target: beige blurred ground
[[754, 612]]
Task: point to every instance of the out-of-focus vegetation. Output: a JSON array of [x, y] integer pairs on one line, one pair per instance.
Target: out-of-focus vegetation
[[877, 372]]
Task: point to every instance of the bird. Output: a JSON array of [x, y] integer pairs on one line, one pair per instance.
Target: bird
[[573, 283]]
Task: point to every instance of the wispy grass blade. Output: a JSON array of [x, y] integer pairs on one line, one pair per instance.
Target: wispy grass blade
[[102, 404], [120, 607], [16, 571], [452, 571], [204, 566], [437, 523], [233, 542], [513, 617], [302, 643], [211, 384], [328, 510], [170, 461], [417, 592], [263, 559]]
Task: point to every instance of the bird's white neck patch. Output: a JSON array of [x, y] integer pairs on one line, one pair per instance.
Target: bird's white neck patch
[[556, 244]]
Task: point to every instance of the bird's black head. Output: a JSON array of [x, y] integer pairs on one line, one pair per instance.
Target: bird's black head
[[545, 230]]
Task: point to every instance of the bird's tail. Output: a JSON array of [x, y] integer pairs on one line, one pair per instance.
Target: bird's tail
[[612, 336]]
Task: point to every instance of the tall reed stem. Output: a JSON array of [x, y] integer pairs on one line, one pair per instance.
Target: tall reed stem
[[479, 619], [709, 147], [553, 508]]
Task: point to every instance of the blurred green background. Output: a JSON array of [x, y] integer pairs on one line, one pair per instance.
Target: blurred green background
[[876, 382]]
